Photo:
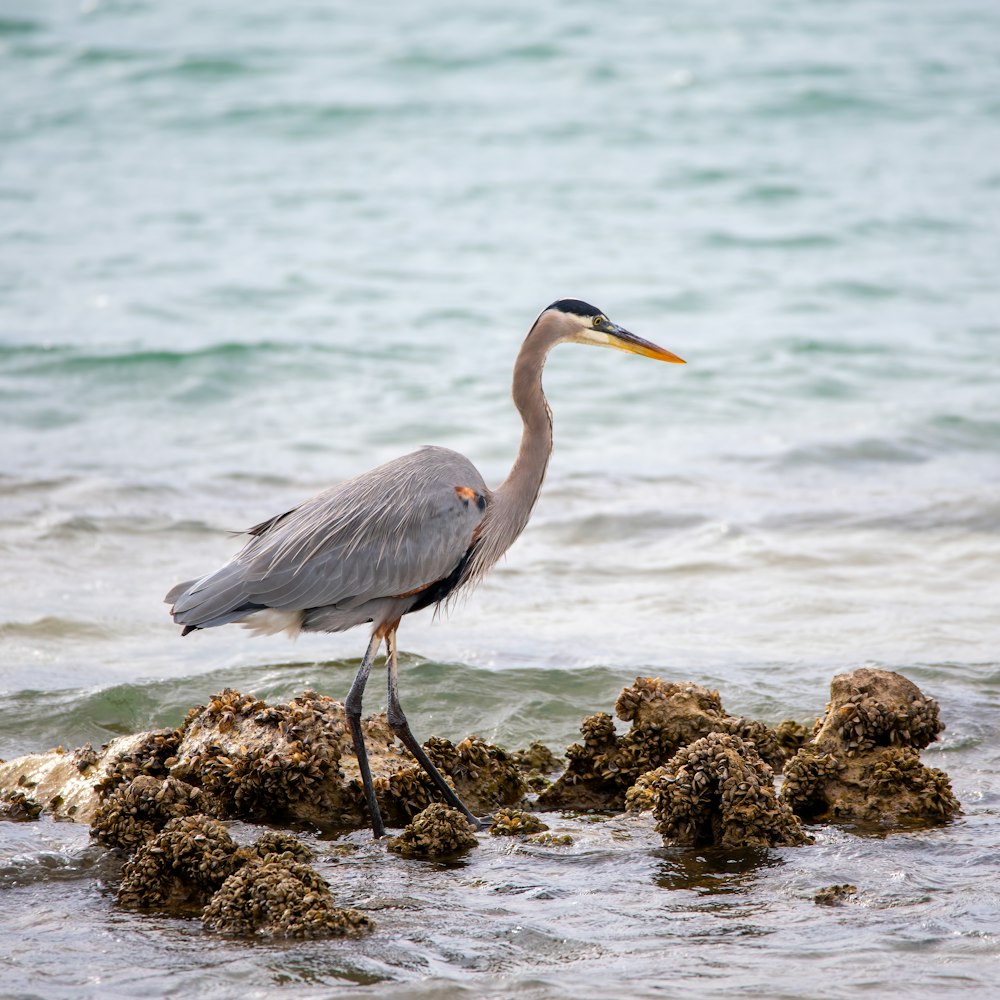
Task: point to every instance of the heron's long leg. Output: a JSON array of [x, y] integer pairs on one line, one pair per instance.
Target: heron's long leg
[[399, 725], [352, 708]]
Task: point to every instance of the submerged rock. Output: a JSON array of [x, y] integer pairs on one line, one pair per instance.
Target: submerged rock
[[665, 717], [275, 896], [437, 832], [834, 895], [863, 764], [718, 791]]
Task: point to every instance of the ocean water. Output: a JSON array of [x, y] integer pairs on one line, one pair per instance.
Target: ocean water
[[247, 250]]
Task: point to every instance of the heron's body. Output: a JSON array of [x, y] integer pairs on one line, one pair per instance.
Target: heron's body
[[397, 539], [370, 549]]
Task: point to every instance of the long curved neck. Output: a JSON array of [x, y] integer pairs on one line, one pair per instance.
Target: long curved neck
[[516, 495], [513, 500]]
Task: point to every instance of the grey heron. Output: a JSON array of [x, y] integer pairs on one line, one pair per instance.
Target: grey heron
[[402, 537]]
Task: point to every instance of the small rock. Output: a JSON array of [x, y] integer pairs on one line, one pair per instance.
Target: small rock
[[276, 897], [834, 895], [438, 831], [508, 822]]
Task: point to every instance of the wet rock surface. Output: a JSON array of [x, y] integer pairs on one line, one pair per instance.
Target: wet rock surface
[[718, 792], [665, 717], [863, 764], [437, 832]]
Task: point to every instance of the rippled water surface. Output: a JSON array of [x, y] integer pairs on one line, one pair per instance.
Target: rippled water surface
[[247, 250]]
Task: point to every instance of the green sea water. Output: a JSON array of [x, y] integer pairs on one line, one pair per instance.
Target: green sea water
[[247, 250]]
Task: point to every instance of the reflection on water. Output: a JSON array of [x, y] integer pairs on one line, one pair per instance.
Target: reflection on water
[[714, 871]]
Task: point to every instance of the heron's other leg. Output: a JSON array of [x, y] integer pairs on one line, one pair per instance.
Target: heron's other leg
[[352, 708], [399, 725]]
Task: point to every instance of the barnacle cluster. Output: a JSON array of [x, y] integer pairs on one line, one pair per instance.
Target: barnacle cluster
[[718, 791], [193, 866], [86, 758], [791, 736], [834, 895], [276, 896], [547, 839], [438, 831], [18, 807], [149, 755], [483, 774], [535, 763], [484, 777], [180, 867], [132, 812], [863, 764], [278, 842], [665, 717], [515, 822], [276, 762]]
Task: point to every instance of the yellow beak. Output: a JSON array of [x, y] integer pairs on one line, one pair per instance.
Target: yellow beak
[[625, 341]]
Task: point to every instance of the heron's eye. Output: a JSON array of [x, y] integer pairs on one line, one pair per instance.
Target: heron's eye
[[598, 320]]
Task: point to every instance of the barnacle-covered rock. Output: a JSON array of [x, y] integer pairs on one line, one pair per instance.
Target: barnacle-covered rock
[[834, 895], [132, 812], [438, 831], [871, 708], [180, 868], [791, 736], [536, 764], [665, 717], [62, 782], [718, 791], [515, 822], [86, 758], [278, 842], [270, 762], [592, 779], [149, 754], [483, 776], [863, 765], [276, 897], [547, 839], [18, 807]]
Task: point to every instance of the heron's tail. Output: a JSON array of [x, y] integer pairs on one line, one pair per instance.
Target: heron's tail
[[212, 600]]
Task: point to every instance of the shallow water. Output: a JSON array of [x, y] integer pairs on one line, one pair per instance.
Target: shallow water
[[246, 251]]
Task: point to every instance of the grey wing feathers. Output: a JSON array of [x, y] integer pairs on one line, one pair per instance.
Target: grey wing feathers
[[383, 534]]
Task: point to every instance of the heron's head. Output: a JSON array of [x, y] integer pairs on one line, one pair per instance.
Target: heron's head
[[586, 324]]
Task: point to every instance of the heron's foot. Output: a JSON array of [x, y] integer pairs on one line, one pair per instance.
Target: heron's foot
[[482, 823]]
